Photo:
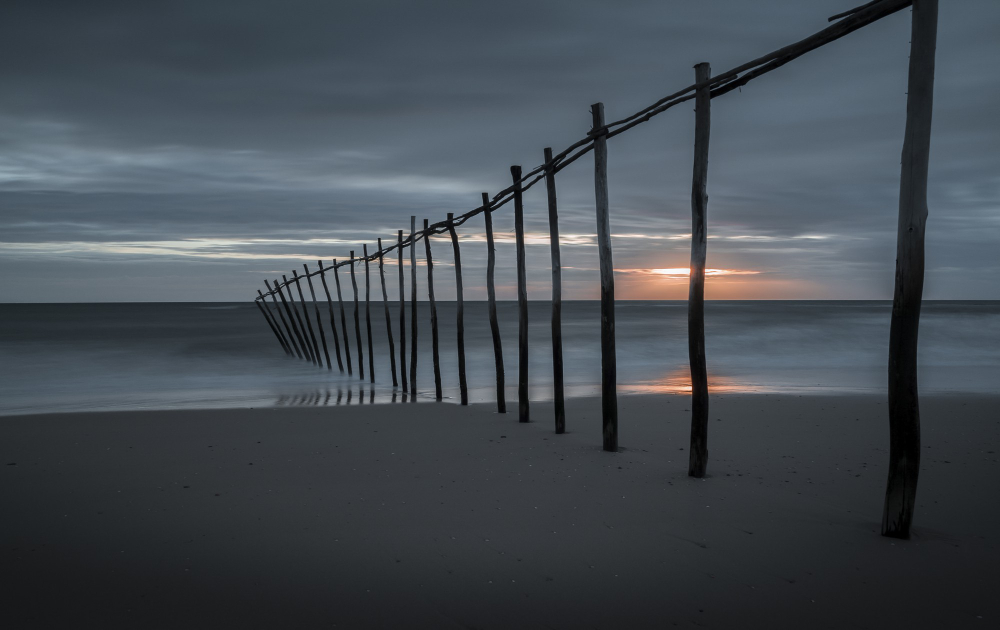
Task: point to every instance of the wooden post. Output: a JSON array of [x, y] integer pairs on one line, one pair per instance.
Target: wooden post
[[609, 369], [284, 322], [434, 316], [698, 452], [388, 318], [368, 318], [333, 320], [904, 403], [281, 336], [357, 323], [343, 319], [491, 294], [302, 336], [314, 345], [413, 308], [463, 386], [270, 323], [522, 301], [402, 313], [558, 394], [319, 320]]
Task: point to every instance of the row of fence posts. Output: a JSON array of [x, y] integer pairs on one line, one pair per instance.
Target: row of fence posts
[[299, 326], [298, 338]]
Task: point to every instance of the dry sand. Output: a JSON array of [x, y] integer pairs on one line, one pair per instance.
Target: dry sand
[[430, 515]]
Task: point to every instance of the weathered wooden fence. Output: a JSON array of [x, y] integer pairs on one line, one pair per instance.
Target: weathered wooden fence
[[296, 333]]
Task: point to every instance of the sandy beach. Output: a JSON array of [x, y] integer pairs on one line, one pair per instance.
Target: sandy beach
[[433, 515]]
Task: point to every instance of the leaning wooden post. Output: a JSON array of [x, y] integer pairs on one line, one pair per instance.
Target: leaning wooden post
[[303, 336], [904, 403], [609, 369], [357, 323], [270, 324], [491, 294], [333, 319], [368, 318], [413, 307], [557, 354], [284, 322], [343, 319], [388, 318], [314, 345], [522, 300], [434, 315], [698, 452], [463, 385], [402, 313], [281, 336], [319, 320]]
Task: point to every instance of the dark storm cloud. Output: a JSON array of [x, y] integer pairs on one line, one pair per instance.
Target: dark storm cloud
[[243, 127]]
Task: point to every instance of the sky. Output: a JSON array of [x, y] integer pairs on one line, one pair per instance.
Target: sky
[[185, 151]]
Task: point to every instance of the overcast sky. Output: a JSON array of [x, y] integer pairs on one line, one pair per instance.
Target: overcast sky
[[187, 150]]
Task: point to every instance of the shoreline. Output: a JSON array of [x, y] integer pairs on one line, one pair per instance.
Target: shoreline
[[443, 516]]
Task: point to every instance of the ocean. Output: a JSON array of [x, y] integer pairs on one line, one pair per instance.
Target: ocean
[[87, 357]]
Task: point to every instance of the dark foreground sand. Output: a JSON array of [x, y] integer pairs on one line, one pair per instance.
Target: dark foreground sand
[[436, 516]]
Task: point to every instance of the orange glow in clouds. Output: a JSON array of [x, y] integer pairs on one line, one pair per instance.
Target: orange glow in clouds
[[684, 272]]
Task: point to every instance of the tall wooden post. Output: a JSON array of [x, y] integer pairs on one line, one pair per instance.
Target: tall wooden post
[[319, 320], [463, 385], [557, 353], [343, 319], [270, 324], [284, 322], [368, 318], [281, 336], [388, 318], [357, 323], [904, 403], [413, 308], [314, 347], [402, 313], [491, 295], [333, 319], [609, 369], [434, 315], [522, 301], [307, 348], [698, 452]]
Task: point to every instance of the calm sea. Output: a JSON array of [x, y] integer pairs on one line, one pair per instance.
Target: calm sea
[[72, 357]]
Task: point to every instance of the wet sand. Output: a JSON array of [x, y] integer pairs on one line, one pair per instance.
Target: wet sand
[[431, 515]]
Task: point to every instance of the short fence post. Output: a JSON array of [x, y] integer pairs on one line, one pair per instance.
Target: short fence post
[[434, 315], [904, 403], [557, 353], [491, 294], [270, 323], [319, 320], [357, 323], [333, 320], [368, 319], [413, 308], [402, 313], [388, 318], [522, 301], [463, 385], [343, 318], [293, 315], [609, 395], [284, 322], [698, 452], [314, 347]]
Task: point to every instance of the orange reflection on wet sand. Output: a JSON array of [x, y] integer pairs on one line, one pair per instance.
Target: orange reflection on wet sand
[[679, 382]]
